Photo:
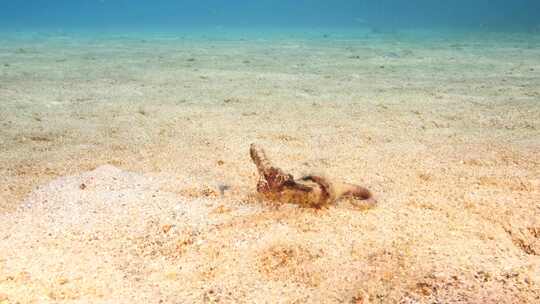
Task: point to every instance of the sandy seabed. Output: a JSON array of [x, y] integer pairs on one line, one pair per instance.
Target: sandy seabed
[[125, 173]]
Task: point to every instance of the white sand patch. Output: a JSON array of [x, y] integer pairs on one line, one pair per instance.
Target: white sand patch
[[116, 237]]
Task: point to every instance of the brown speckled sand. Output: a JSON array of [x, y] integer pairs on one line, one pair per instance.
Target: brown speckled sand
[[113, 152]]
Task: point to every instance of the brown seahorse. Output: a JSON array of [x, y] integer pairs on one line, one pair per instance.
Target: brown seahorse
[[309, 191]]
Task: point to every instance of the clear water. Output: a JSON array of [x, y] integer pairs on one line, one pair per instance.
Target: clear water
[[499, 15]]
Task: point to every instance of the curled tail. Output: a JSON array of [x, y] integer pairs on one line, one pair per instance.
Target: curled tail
[[336, 190], [357, 192]]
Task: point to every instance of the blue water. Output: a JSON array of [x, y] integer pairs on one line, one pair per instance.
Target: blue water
[[496, 15]]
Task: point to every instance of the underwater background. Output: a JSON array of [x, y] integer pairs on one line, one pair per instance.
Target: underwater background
[[125, 133]]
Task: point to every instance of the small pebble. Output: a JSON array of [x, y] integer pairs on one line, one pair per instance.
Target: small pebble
[[231, 100], [391, 55], [223, 188], [166, 228]]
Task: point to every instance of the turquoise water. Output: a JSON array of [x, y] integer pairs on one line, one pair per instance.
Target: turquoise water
[[381, 15]]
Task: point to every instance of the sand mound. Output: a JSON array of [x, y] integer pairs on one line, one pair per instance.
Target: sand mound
[[120, 237]]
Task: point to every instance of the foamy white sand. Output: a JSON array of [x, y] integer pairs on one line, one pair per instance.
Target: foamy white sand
[[444, 131]]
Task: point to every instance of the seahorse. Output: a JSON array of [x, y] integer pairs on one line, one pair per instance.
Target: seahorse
[[313, 191]]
